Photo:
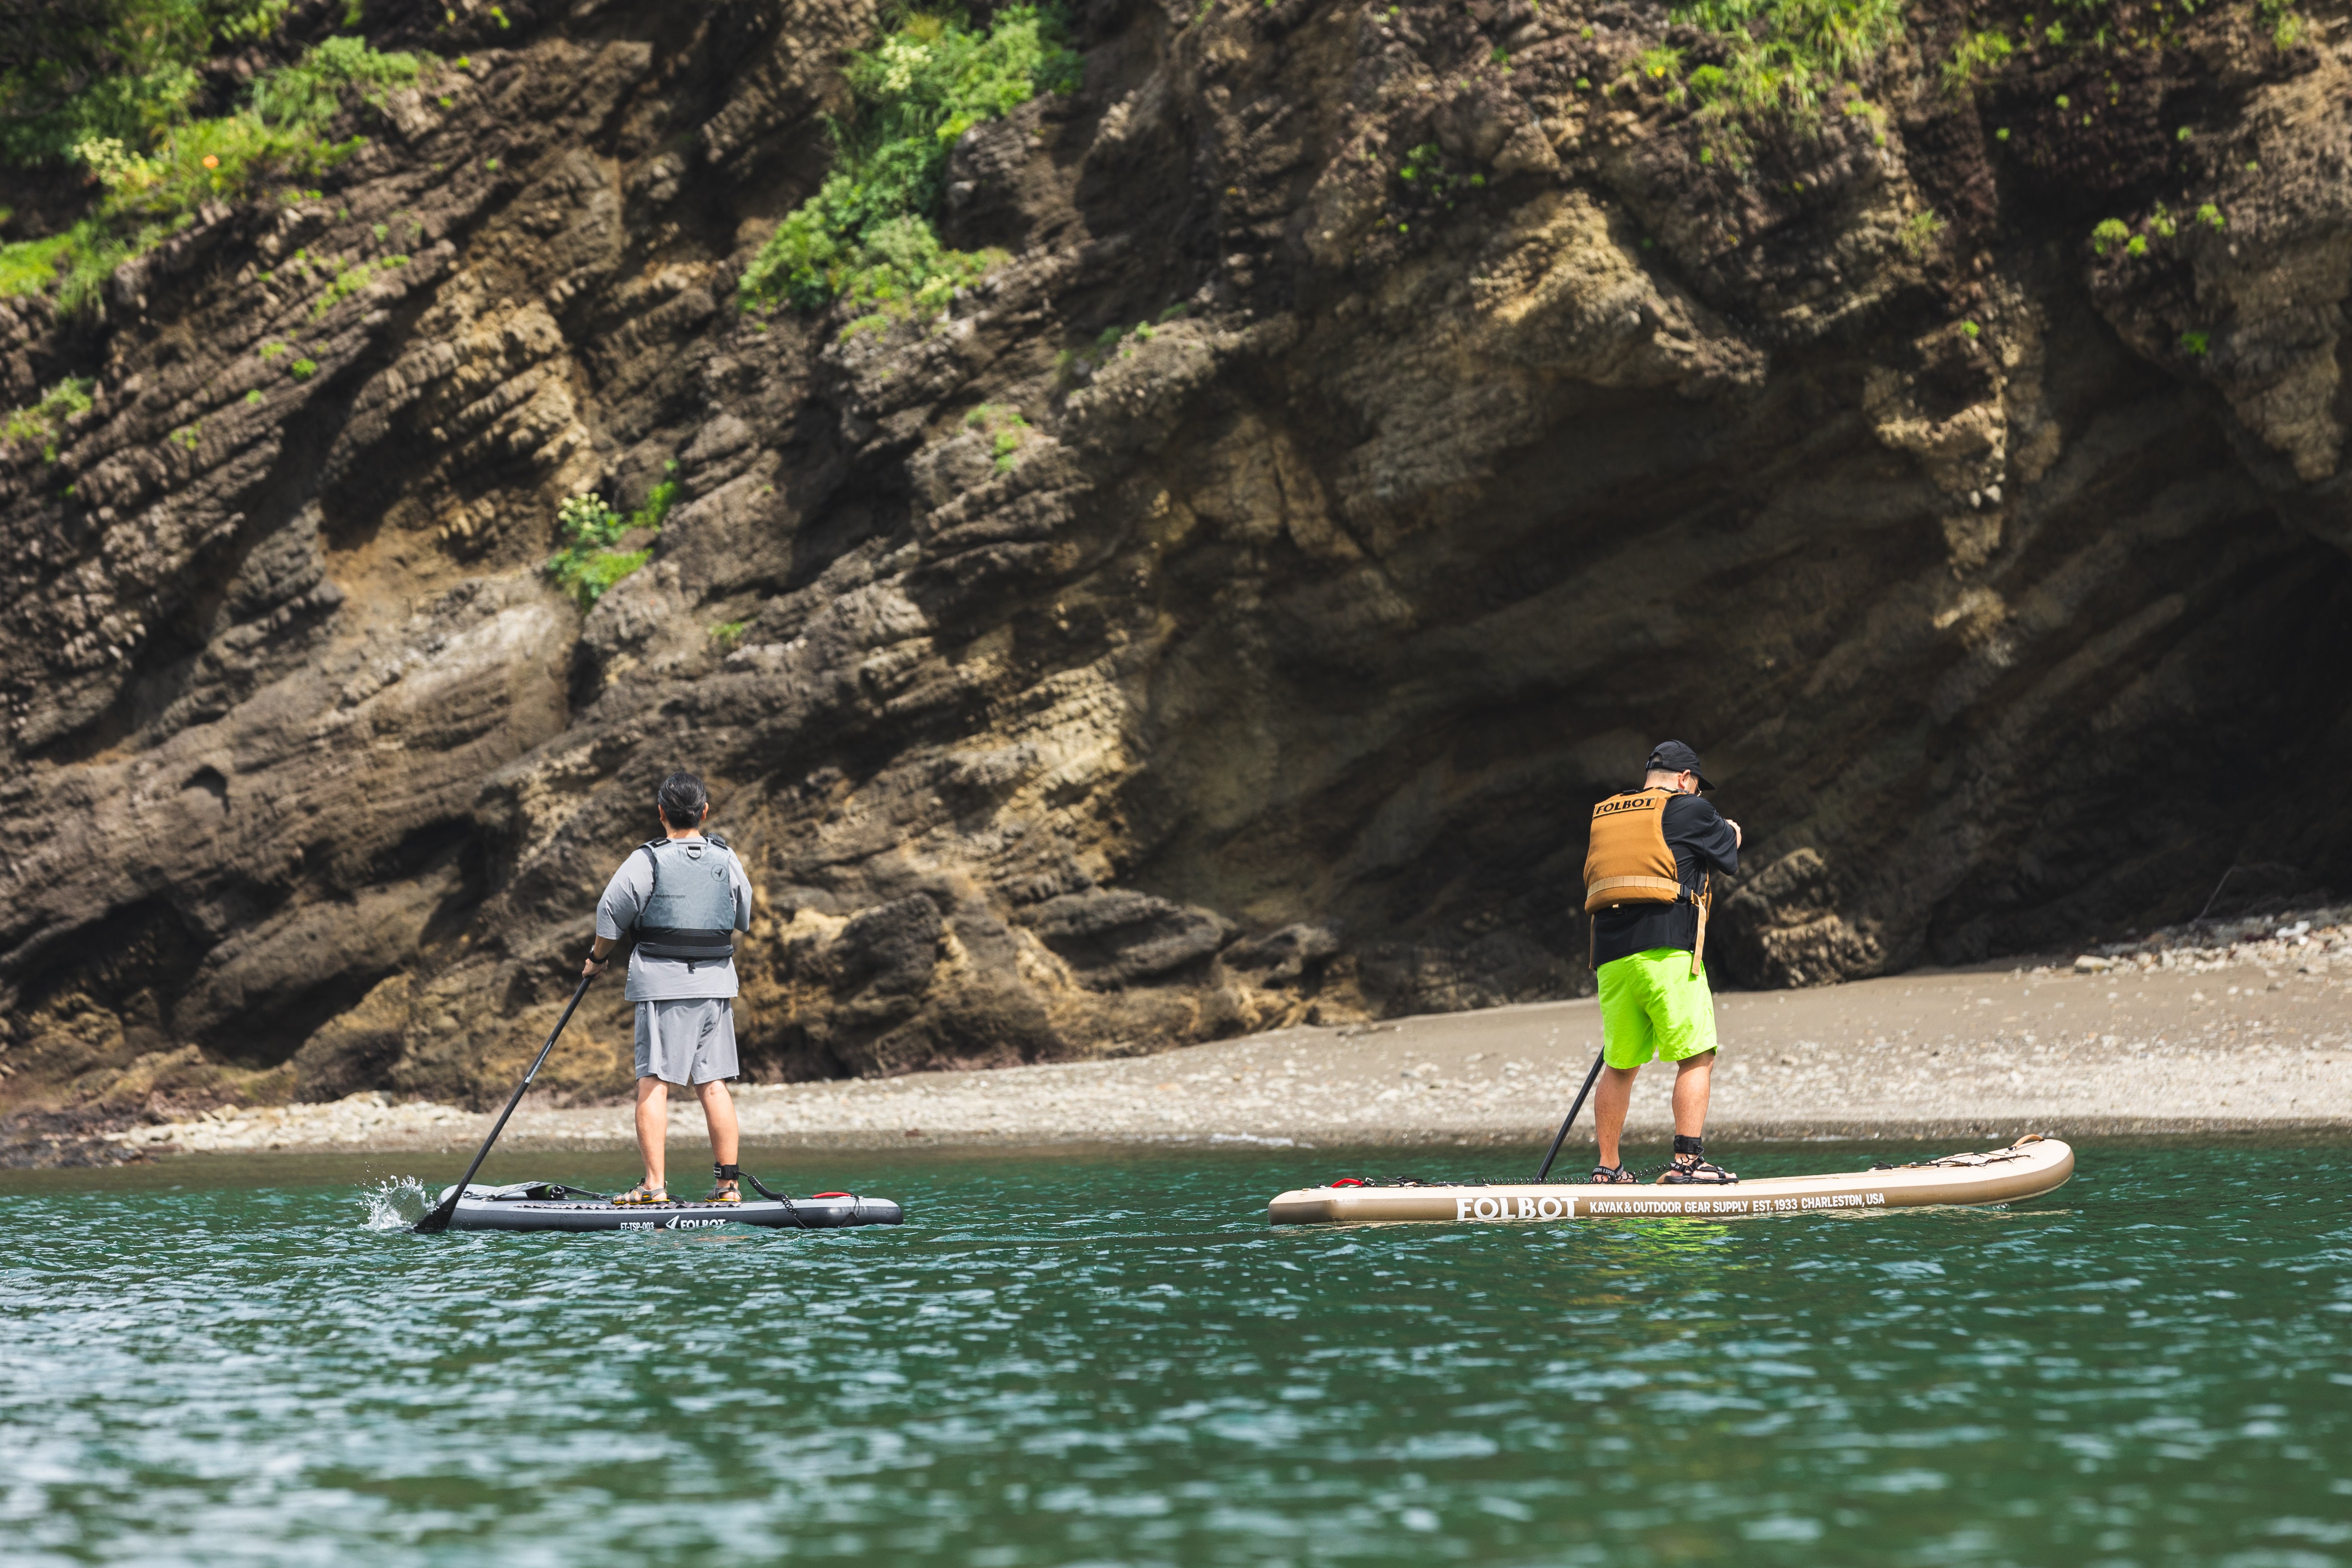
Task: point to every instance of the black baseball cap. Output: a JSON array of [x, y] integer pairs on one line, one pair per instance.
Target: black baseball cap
[[1673, 757]]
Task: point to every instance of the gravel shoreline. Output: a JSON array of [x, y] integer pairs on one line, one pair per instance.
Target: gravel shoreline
[[2235, 1031]]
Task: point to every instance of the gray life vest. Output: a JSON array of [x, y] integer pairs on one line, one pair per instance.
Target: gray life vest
[[690, 913]]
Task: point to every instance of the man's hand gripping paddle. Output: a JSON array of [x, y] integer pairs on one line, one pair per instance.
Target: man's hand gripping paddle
[[1562, 1136], [438, 1220]]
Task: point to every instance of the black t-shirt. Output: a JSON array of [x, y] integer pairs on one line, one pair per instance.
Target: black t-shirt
[[1701, 841]]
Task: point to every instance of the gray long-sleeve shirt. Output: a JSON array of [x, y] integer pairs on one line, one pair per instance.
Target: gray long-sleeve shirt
[[668, 979]]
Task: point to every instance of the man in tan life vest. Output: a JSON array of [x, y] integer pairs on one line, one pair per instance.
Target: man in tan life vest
[[1648, 881]]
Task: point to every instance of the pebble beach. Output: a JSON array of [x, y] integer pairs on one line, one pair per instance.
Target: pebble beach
[[2245, 1030]]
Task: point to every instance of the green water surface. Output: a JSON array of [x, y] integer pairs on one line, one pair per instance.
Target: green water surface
[[1110, 1358]]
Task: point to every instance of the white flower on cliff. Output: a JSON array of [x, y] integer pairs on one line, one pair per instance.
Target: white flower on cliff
[[117, 168], [900, 62]]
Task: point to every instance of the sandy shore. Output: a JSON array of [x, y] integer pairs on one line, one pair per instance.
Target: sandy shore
[[2251, 1036]]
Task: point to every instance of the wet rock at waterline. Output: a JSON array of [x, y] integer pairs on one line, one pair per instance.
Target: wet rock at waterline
[[1354, 535]]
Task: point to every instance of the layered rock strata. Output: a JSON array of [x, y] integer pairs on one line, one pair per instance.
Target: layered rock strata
[[1359, 530]]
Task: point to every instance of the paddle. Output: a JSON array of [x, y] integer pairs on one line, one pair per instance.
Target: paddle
[[438, 1220], [1562, 1137]]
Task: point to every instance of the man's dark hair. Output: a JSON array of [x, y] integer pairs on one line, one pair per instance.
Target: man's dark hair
[[681, 800]]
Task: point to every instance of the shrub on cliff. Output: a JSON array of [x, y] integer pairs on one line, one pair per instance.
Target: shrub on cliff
[[310, 92], [589, 562], [1782, 54], [1976, 56], [41, 423], [76, 70], [154, 165], [866, 234]]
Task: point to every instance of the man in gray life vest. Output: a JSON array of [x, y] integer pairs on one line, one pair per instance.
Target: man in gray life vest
[[684, 896]]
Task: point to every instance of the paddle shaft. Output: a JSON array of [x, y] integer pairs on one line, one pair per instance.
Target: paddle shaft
[[438, 1220], [1562, 1136]]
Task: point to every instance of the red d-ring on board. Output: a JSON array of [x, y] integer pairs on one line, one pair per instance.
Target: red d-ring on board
[[813, 1196], [1349, 1182]]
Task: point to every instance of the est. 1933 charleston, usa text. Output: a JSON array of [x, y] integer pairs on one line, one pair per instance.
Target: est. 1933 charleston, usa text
[[1525, 1207]]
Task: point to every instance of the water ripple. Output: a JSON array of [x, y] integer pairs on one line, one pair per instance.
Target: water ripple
[[1071, 1360]]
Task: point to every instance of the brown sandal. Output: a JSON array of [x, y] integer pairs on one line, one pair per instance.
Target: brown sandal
[[642, 1196]]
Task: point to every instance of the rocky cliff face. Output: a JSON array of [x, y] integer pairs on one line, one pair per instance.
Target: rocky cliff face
[[1264, 668]]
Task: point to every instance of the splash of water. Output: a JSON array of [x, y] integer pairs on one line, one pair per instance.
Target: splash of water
[[396, 1202]]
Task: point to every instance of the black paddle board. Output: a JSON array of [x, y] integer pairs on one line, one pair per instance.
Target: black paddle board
[[546, 1206]]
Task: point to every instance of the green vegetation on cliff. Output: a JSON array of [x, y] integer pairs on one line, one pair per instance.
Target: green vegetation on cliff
[[866, 234], [42, 422], [2073, 25], [1786, 54], [589, 563], [109, 84], [79, 70]]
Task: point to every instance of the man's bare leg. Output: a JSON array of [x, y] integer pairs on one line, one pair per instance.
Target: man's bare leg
[[719, 1112], [1692, 1077], [1611, 1097], [653, 1129]]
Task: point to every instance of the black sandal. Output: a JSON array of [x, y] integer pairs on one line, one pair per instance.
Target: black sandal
[[1691, 1167], [1610, 1175]]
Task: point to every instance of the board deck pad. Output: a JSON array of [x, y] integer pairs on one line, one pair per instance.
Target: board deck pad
[[2026, 1169], [506, 1208]]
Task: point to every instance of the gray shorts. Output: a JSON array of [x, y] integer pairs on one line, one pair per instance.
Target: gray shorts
[[687, 1042]]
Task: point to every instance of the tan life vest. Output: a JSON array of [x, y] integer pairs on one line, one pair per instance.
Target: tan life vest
[[1630, 862]]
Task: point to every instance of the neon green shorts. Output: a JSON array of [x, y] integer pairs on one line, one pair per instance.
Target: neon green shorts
[[1652, 1009]]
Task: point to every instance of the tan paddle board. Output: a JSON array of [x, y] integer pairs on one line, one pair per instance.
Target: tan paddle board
[[2026, 1169]]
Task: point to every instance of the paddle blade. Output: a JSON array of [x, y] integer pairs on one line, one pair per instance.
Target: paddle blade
[[438, 1220]]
